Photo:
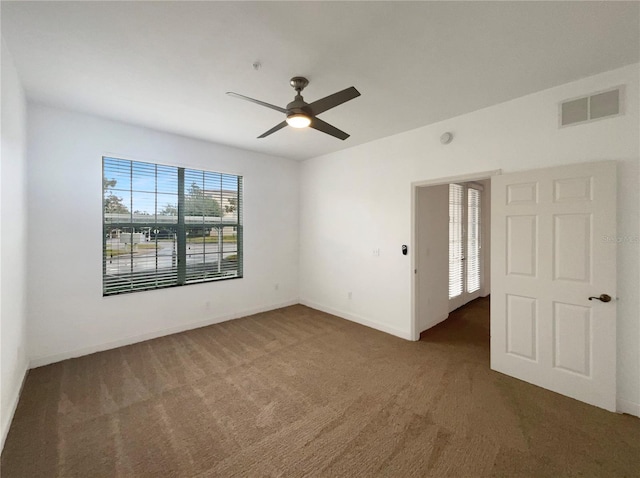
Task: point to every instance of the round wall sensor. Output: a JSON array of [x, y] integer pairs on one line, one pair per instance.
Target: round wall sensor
[[446, 138]]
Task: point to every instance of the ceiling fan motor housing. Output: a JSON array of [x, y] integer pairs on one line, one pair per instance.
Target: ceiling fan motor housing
[[297, 107]]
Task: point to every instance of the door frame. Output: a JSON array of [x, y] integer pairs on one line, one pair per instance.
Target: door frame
[[478, 176]]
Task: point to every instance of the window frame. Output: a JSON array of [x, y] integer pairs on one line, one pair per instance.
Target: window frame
[[137, 281]]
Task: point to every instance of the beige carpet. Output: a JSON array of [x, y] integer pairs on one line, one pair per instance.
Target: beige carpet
[[296, 392]]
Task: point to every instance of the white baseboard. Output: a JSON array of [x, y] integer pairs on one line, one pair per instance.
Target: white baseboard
[[625, 406], [49, 359], [8, 418], [403, 334]]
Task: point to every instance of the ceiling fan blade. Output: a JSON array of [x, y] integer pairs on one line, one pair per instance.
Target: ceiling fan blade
[[333, 100], [258, 102], [317, 123], [277, 127]]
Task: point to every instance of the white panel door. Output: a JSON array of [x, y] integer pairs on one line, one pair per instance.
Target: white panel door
[[552, 249]]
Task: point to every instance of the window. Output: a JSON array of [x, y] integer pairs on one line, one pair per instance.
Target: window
[[456, 257], [464, 240], [166, 226], [473, 240]]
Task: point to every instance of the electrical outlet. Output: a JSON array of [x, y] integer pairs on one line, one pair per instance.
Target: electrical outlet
[[376, 252], [349, 295], [276, 287]]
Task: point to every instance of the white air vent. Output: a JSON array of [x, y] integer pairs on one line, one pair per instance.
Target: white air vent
[[589, 108]]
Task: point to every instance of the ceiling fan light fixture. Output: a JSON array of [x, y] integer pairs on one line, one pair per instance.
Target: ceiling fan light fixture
[[298, 120]]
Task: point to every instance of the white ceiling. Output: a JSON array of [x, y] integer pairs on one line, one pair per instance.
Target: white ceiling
[[167, 65]]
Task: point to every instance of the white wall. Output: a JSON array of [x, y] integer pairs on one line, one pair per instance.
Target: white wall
[[432, 255], [359, 199], [67, 315], [13, 242]]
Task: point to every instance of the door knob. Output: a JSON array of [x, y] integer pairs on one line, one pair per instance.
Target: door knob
[[602, 298]]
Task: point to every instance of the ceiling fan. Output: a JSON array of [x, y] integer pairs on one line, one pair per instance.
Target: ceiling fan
[[301, 114]]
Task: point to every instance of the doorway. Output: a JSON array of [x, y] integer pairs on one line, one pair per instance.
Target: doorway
[[553, 313], [452, 246]]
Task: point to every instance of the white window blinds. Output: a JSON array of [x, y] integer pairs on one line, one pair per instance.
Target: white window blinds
[[456, 245], [464, 240], [473, 240]]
